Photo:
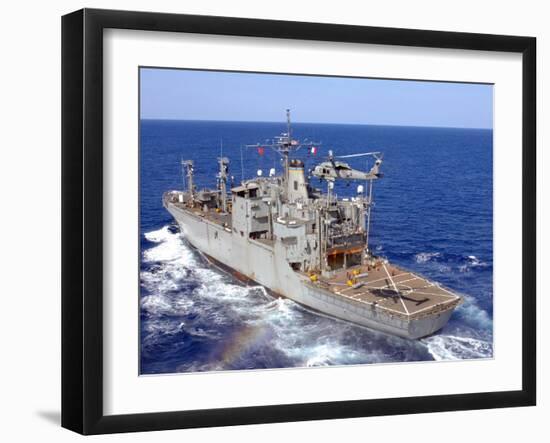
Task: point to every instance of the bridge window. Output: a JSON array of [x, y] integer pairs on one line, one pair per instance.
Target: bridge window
[[295, 185]]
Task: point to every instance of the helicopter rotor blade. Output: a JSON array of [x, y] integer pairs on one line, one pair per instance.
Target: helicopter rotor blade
[[358, 155]]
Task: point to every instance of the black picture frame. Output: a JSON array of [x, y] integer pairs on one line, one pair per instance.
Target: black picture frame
[[82, 215]]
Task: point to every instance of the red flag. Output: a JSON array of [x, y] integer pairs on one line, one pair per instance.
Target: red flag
[[261, 150]]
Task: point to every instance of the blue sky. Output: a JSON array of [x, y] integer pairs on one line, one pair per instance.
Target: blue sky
[[209, 95]]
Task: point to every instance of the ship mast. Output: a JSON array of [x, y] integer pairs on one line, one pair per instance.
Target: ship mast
[[187, 165], [369, 207], [283, 145], [289, 144], [222, 181]]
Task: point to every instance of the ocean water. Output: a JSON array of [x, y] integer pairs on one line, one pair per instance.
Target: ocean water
[[433, 215]]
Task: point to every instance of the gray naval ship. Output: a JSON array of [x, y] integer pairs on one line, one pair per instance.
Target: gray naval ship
[[310, 246]]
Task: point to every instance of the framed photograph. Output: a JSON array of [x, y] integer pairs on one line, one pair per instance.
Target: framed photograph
[[269, 221]]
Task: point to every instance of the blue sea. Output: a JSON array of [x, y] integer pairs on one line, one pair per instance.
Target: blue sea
[[433, 215]]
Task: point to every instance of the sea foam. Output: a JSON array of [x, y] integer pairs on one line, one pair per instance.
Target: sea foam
[[180, 285], [448, 347]]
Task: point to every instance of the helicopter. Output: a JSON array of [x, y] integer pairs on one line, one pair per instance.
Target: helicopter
[[334, 169]]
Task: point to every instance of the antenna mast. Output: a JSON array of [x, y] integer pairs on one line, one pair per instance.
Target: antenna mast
[[369, 207], [288, 145], [182, 164], [288, 123], [222, 177], [188, 165], [242, 166], [283, 145]]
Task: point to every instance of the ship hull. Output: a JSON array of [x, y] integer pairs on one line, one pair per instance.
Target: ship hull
[[265, 264]]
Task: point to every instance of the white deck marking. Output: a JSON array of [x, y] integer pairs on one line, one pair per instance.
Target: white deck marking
[[448, 292], [362, 297], [435, 294], [377, 305], [370, 303], [384, 278], [443, 303], [347, 288], [401, 284], [409, 279], [431, 285], [395, 289], [436, 285]]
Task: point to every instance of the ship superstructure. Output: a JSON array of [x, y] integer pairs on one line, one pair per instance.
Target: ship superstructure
[[308, 245]]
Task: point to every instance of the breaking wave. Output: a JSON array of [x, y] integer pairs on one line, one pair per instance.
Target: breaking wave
[[197, 318], [446, 262], [449, 347], [424, 257], [471, 314], [472, 262]]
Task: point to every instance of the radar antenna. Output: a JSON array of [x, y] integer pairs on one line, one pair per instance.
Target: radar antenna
[[284, 144]]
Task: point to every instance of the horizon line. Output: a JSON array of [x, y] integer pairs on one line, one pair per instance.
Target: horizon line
[[314, 123]]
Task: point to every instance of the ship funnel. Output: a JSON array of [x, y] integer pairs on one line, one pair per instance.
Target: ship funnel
[[296, 185]]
